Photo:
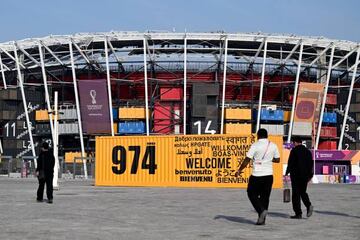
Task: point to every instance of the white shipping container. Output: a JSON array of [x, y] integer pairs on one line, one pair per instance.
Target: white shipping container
[[74, 128], [62, 128], [273, 129], [302, 129], [355, 170]]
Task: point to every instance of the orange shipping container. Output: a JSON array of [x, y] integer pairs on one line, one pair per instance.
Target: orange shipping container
[[70, 156], [41, 115], [115, 127], [287, 116], [177, 161], [237, 128], [237, 114], [131, 113]]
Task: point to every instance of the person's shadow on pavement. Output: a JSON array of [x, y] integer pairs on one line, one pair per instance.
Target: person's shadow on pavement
[[278, 215], [335, 214], [248, 221], [234, 219]]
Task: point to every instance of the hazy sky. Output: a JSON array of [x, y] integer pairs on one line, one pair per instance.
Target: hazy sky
[[38, 18]]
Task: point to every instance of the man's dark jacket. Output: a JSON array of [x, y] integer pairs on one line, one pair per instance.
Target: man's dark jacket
[[46, 162], [300, 164]]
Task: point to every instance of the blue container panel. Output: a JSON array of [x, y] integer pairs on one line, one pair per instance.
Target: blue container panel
[[115, 112], [270, 115], [131, 127], [329, 117]]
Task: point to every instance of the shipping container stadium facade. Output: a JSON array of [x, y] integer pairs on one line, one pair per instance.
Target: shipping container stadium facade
[[176, 83]]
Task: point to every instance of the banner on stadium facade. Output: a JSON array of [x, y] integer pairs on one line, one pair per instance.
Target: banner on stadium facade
[[177, 161], [94, 106], [307, 109], [338, 155]]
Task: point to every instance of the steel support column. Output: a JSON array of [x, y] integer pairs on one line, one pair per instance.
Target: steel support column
[[25, 104], [47, 97], [261, 87], [56, 142], [224, 89], [77, 107], [109, 86], [295, 93], [185, 84], [349, 100], [146, 89], [2, 72], [324, 97]]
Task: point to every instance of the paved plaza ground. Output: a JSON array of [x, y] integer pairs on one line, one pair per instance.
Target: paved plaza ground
[[82, 211]]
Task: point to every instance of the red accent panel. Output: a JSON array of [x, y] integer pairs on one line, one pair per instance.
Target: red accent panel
[[331, 99], [328, 132], [171, 94], [327, 145]]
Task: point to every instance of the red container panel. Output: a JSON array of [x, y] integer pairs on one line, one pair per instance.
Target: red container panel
[[328, 132], [171, 94], [163, 129], [166, 110], [327, 145], [163, 126], [162, 112], [331, 99]]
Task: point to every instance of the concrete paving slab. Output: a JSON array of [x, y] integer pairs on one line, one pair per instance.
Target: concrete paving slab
[[82, 211]]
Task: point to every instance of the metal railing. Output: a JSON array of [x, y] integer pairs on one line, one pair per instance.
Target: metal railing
[[28, 166], [24, 167], [75, 169]]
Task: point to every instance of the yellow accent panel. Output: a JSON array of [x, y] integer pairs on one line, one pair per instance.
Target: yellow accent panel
[[355, 159], [69, 157], [287, 116], [176, 161], [285, 156], [237, 114], [237, 128], [131, 113], [41, 115], [115, 127]]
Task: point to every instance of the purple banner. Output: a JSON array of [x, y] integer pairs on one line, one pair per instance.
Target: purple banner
[[329, 155], [94, 106]]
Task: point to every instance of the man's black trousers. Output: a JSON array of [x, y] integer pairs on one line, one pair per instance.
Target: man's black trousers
[[49, 188], [259, 189], [299, 187]]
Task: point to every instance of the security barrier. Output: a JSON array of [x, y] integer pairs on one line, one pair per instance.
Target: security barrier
[[75, 168], [178, 161]]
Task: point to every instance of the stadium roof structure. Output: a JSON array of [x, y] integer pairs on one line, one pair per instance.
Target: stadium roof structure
[[244, 46], [328, 59]]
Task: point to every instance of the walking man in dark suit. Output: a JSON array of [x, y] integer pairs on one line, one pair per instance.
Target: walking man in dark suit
[[300, 166], [45, 173]]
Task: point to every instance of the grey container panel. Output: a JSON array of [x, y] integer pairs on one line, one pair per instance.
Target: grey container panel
[[198, 108], [7, 115], [355, 107], [357, 96], [205, 89], [357, 117], [212, 112]]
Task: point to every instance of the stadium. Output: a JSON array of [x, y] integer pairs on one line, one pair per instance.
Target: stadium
[[166, 83]]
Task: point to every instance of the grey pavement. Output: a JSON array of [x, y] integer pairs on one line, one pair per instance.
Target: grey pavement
[[82, 211]]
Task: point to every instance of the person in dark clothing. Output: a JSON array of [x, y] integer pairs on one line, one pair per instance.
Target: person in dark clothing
[[45, 173], [300, 166]]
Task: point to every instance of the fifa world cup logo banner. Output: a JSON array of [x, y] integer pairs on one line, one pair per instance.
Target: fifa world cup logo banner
[[94, 105], [307, 109]]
